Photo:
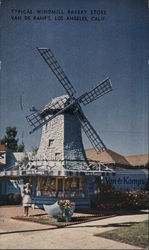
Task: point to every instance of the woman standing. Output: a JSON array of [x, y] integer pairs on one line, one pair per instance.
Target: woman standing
[[27, 199]]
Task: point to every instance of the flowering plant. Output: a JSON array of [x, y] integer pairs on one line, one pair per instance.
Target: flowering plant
[[66, 208], [66, 204]]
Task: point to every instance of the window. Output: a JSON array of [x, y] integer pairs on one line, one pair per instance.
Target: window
[[57, 156], [46, 187], [51, 141], [74, 187], [61, 187]]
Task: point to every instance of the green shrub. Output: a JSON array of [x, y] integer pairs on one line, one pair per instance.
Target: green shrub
[[3, 199], [109, 198], [17, 199], [10, 199], [61, 218]]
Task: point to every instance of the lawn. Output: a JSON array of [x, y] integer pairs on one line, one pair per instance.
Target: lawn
[[136, 234]]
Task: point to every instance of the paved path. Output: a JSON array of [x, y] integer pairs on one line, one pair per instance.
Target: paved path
[[36, 236]]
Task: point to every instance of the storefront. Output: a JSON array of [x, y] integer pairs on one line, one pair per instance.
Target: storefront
[[48, 187], [60, 187]]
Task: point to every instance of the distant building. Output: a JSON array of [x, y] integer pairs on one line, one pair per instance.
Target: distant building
[[138, 161], [119, 161], [3, 150], [131, 172]]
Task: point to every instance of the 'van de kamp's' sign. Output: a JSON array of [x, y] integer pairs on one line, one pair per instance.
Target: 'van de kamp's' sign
[[132, 181]]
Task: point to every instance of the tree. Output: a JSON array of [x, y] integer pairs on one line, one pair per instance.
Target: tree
[[21, 147], [10, 139]]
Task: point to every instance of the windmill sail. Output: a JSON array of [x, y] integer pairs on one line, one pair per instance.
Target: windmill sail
[[100, 90], [69, 103], [57, 70], [35, 121], [90, 132]]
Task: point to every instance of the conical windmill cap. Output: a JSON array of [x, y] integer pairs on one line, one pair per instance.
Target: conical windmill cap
[[56, 104]]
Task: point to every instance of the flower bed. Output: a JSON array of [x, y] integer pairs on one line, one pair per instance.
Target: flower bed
[[109, 198], [47, 220]]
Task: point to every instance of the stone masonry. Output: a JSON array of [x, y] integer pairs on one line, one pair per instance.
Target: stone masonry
[[61, 143]]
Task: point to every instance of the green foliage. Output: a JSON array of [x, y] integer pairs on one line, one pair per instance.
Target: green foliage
[[135, 234], [10, 199], [10, 139], [109, 198], [61, 217], [21, 147]]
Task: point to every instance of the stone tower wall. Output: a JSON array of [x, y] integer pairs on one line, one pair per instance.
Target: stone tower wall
[[73, 146], [64, 135], [54, 130]]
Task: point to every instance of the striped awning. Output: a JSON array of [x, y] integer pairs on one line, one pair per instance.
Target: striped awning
[[21, 173]]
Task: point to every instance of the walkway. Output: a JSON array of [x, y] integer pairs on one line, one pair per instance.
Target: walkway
[[27, 235]]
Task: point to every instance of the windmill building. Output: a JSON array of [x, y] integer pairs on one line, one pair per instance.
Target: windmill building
[[60, 168], [61, 140]]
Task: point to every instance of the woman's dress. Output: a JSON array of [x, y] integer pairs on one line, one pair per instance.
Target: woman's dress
[[27, 198]]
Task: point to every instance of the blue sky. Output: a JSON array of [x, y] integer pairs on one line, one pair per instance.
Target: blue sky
[[88, 51]]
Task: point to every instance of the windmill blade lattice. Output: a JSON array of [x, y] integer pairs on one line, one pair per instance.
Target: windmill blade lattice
[[101, 89], [90, 132], [37, 119], [57, 70]]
